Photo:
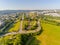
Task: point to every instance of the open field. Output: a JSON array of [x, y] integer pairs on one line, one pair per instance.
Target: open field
[[56, 20], [15, 27], [50, 34]]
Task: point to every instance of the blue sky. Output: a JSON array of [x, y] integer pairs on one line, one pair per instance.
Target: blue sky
[[29, 4]]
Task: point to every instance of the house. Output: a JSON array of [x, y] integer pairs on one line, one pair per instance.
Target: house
[[2, 23]]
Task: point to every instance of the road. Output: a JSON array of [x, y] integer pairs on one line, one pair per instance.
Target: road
[[24, 31], [21, 24]]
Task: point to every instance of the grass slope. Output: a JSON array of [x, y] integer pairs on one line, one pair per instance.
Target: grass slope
[[15, 27], [50, 34]]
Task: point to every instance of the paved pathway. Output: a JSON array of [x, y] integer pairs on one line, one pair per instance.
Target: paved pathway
[[24, 31]]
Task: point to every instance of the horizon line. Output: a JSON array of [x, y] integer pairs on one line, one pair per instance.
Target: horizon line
[[28, 9]]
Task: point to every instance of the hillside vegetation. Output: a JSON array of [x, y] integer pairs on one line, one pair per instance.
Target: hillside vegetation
[[50, 34]]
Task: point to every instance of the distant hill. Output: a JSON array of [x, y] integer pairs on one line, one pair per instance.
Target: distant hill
[[15, 11], [12, 11]]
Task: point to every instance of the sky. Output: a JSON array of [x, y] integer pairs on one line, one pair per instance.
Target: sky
[[29, 4]]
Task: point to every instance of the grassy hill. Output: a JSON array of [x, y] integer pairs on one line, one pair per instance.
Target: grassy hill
[[50, 34]]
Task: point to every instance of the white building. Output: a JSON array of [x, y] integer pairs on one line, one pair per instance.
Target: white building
[[1, 23]]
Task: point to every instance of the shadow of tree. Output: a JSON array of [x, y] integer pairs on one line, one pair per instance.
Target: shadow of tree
[[33, 41], [30, 39], [7, 28], [40, 32]]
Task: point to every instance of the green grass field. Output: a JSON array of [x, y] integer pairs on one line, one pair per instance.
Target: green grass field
[[50, 34], [15, 27]]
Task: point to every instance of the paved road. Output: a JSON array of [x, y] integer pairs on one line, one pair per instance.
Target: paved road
[[31, 31], [21, 24], [24, 31]]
